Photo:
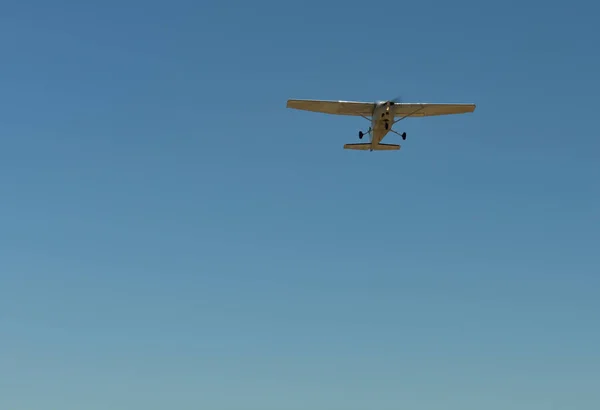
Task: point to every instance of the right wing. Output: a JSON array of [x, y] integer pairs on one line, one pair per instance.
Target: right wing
[[356, 108], [430, 109]]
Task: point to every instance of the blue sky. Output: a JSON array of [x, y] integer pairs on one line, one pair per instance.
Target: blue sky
[[173, 237]]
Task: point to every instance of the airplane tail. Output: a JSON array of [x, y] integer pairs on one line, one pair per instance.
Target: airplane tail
[[367, 146]]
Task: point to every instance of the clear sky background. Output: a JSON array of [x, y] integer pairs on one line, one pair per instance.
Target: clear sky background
[[172, 237]]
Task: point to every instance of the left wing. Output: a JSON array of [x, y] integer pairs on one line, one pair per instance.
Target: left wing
[[356, 108], [430, 109]]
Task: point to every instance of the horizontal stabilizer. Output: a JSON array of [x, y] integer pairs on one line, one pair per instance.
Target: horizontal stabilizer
[[367, 146], [361, 147], [386, 147]]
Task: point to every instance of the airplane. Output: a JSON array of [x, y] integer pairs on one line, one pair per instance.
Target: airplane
[[381, 114]]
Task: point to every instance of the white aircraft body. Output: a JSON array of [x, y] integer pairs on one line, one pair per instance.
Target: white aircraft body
[[381, 114]]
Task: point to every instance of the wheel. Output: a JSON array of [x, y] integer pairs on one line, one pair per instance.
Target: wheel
[[403, 135], [360, 134]]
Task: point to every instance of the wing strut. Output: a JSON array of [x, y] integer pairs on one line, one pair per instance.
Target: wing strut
[[408, 115]]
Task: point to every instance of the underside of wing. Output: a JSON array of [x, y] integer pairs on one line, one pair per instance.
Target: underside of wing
[[356, 108], [430, 109]]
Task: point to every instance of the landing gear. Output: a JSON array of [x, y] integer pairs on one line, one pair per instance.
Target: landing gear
[[403, 135], [362, 134]]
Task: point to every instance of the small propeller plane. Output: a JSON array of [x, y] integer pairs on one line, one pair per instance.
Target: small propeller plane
[[381, 114]]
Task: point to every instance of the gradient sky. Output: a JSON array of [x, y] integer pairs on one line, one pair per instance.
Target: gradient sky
[[171, 237]]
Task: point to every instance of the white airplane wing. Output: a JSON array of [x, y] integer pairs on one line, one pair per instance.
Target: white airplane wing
[[430, 109], [356, 108], [365, 109]]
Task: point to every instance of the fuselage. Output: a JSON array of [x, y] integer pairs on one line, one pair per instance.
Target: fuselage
[[381, 121]]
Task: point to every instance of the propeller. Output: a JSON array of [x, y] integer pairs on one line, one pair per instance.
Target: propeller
[[398, 99]]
